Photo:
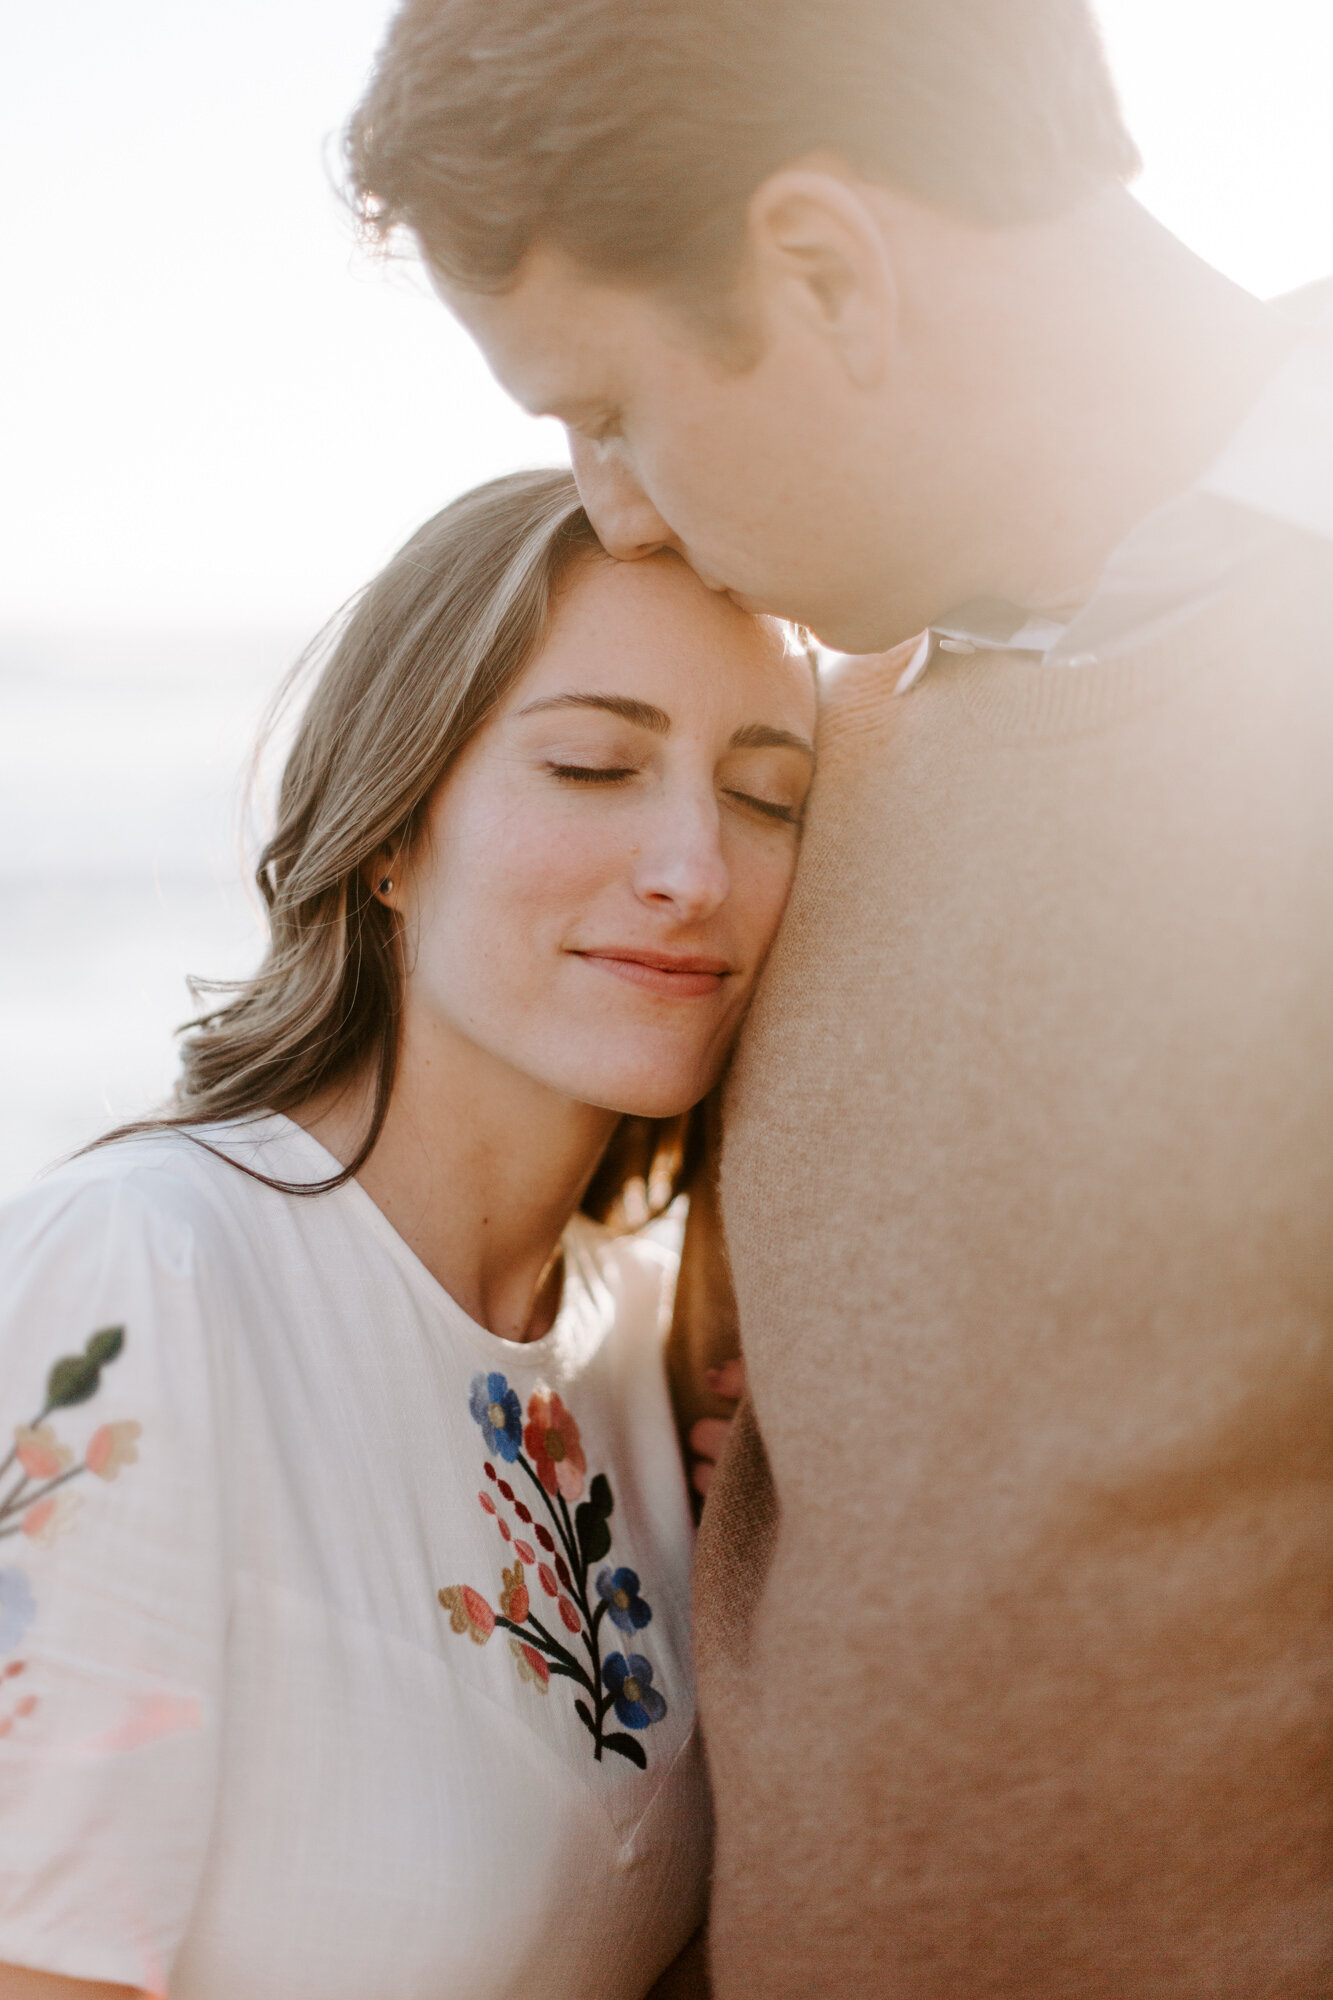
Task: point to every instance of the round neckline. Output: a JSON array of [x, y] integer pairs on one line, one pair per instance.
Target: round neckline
[[577, 1239]]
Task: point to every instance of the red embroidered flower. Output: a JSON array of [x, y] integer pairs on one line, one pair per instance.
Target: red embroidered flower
[[40, 1452], [570, 1615], [111, 1447], [487, 1502], [50, 1517], [468, 1612], [514, 1596], [548, 1582], [545, 1537], [504, 1528], [526, 1550], [552, 1439], [531, 1666]]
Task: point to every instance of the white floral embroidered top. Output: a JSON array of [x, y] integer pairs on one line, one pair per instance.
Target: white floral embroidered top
[[344, 1648]]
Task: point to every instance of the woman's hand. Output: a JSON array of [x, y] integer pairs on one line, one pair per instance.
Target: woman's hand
[[708, 1436]]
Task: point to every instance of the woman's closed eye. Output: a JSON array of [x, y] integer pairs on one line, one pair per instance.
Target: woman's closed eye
[[776, 809], [592, 774]]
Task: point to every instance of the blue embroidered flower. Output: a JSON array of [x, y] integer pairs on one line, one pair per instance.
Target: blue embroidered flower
[[629, 1684], [495, 1406], [619, 1590], [18, 1607]]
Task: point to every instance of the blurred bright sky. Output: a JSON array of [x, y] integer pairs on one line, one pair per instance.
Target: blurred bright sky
[[220, 415]]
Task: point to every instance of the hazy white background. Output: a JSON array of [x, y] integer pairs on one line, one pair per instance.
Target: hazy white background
[[218, 420]]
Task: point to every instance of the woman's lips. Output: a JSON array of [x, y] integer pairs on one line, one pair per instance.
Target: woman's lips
[[681, 975]]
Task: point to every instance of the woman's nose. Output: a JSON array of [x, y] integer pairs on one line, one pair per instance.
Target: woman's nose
[[680, 863], [627, 524]]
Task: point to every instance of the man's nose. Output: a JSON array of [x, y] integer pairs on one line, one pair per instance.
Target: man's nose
[[627, 523]]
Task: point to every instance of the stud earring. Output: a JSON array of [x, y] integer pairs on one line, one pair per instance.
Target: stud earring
[[386, 885]]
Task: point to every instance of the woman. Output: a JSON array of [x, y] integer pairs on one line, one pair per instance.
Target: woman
[[345, 1608]]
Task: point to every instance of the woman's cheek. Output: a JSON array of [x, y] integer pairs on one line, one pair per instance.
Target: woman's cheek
[[764, 886]]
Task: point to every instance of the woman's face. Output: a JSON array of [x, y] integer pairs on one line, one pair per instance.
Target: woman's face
[[604, 868]]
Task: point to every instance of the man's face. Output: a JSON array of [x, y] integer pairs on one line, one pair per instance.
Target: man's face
[[762, 477]]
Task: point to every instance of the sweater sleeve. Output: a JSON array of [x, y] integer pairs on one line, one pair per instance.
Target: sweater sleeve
[[112, 1582]]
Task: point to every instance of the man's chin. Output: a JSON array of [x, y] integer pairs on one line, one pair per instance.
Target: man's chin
[[859, 635], [859, 631]]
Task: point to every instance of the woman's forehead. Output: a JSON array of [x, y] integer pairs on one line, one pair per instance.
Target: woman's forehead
[[651, 622]]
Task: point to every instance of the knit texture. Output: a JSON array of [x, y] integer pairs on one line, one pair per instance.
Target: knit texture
[[1014, 1596]]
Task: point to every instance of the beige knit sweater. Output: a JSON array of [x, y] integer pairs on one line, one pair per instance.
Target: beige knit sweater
[[1018, 1677]]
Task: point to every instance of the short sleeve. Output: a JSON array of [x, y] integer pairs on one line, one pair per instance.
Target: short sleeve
[[112, 1581]]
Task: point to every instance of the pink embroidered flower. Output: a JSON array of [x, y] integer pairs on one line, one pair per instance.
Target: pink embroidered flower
[[50, 1517], [531, 1666], [570, 1615], [525, 1550], [468, 1612], [554, 1446], [548, 1582], [111, 1447], [514, 1596], [505, 1530], [40, 1451], [487, 1502]]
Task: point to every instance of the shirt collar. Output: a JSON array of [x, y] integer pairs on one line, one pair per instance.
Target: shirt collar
[[1275, 473]]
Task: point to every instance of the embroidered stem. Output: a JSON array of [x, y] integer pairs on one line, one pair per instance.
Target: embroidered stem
[[561, 1663], [569, 1547], [7, 1505], [550, 1644]]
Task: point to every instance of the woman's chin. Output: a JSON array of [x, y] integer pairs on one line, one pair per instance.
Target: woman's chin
[[652, 1096]]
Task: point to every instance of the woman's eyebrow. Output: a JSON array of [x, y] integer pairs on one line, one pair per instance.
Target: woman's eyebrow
[[641, 713], [761, 736], [644, 715]]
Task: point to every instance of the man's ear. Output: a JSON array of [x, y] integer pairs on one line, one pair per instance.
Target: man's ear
[[818, 252]]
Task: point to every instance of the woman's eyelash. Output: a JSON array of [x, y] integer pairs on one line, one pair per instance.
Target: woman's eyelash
[[592, 774], [614, 774], [770, 808]]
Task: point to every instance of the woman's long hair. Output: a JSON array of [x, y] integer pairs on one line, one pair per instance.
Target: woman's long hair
[[417, 663]]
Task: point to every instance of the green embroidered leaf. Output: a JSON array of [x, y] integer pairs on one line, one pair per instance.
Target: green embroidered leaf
[[74, 1378], [599, 1495], [627, 1748], [592, 1531], [584, 1714], [105, 1345]]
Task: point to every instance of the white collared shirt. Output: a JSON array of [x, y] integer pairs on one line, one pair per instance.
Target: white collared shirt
[[1275, 473]]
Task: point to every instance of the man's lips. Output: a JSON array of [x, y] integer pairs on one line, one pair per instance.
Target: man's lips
[[684, 975]]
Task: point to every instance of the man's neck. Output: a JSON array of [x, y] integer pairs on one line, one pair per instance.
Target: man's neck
[[1093, 367]]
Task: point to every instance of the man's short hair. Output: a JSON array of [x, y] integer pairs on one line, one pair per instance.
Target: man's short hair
[[630, 134]]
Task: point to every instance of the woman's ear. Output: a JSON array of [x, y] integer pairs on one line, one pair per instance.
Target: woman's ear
[[819, 254], [380, 875]]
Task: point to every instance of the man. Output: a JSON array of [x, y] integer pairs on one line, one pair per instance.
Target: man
[[1013, 1607]]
